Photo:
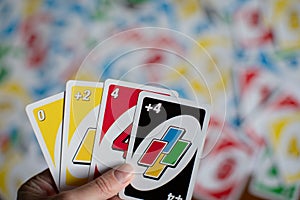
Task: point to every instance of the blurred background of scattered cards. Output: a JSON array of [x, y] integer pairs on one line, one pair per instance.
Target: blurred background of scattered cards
[[254, 43]]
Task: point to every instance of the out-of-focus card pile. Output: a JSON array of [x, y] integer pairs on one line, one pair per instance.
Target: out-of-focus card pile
[[93, 126]]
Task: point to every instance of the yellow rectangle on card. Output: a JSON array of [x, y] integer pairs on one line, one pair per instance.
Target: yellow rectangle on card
[[156, 170]]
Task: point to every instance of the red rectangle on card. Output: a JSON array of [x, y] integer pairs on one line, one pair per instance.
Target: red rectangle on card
[[152, 152]]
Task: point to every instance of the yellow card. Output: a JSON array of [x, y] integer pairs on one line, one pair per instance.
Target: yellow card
[[82, 105], [46, 118]]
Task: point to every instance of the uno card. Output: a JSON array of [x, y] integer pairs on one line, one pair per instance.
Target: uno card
[[224, 171], [284, 20], [115, 122], [282, 122], [255, 87], [279, 123], [249, 27], [82, 105], [165, 147], [267, 182], [46, 118]]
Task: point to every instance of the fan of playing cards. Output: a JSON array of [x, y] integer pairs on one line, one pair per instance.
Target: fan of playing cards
[[94, 126]]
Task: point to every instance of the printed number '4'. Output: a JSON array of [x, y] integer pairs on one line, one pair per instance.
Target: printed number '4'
[[115, 93], [121, 142], [157, 108]]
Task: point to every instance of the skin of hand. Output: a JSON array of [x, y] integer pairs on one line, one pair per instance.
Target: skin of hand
[[107, 186]]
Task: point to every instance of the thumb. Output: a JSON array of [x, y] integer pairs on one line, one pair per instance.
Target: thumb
[[105, 186]]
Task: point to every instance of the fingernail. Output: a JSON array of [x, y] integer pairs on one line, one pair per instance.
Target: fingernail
[[124, 173]]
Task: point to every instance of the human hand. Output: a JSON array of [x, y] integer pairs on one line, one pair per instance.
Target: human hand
[[107, 186]]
